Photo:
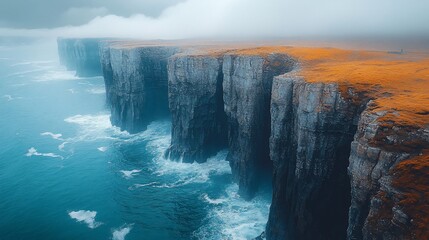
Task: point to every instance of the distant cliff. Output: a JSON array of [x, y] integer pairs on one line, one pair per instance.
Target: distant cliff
[[80, 55], [136, 84], [345, 146]]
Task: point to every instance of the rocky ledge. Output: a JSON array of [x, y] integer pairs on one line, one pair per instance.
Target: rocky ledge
[[343, 134]]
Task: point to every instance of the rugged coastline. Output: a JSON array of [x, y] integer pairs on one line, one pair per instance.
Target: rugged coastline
[[339, 137]]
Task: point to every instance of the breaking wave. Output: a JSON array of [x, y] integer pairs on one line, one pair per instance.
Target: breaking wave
[[33, 152], [231, 217], [130, 174], [85, 216], [56, 136], [120, 233]]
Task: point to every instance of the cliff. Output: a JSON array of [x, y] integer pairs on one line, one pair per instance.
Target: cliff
[[344, 135], [80, 55], [136, 81], [312, 127], [350, 112]]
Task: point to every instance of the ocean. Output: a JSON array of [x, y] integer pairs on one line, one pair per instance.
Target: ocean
[[67, 173]]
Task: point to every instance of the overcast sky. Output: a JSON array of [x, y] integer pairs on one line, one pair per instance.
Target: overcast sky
[[57, 13], [212, 18]]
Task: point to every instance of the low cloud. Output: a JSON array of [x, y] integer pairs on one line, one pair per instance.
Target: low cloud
[[253, 18]]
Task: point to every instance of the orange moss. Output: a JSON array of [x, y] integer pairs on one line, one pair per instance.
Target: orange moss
[[411, 177], [399, 83]]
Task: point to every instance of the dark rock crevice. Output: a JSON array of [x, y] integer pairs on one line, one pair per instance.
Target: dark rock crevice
[[247, 94]]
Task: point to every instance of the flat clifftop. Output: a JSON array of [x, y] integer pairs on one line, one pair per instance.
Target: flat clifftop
[[398, 83]]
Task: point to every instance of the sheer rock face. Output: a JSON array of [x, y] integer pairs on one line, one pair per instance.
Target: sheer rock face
[[81, 55], [196, 105], [136, 85], [312, 127], [247, 93], [389, 191]]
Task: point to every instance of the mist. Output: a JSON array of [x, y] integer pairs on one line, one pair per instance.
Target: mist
[[252, 19]]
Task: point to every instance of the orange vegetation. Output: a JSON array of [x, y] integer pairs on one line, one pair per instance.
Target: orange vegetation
[[411, 178], [398, 83]]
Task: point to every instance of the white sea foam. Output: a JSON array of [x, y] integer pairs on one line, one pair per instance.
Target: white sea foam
[[213, 201], [56, 136], [130, 174], [121, 232], [231, 217], [85, 216], [33, 152], [56, 75], [94, 127], [85, 83], [35, 63], [98, 90], [102, 149], [194, 172], [135, 186], [10, 98], [18, 84], [71, 90], [62, 145]]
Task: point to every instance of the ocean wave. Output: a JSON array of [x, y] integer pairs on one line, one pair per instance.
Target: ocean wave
[[232, 217], [102, 149], [85, 216], [33, 152], [94, 127], [36, 63], [129, 174], [210, 200], [135, 186], [18, 84], [71, 90], [192, 172], [62, 146], [56, 75], [121, 232], [96, 91], [10, 98], [56, 136]]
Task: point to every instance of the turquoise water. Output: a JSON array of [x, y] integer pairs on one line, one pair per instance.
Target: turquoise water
[[66, 173]]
